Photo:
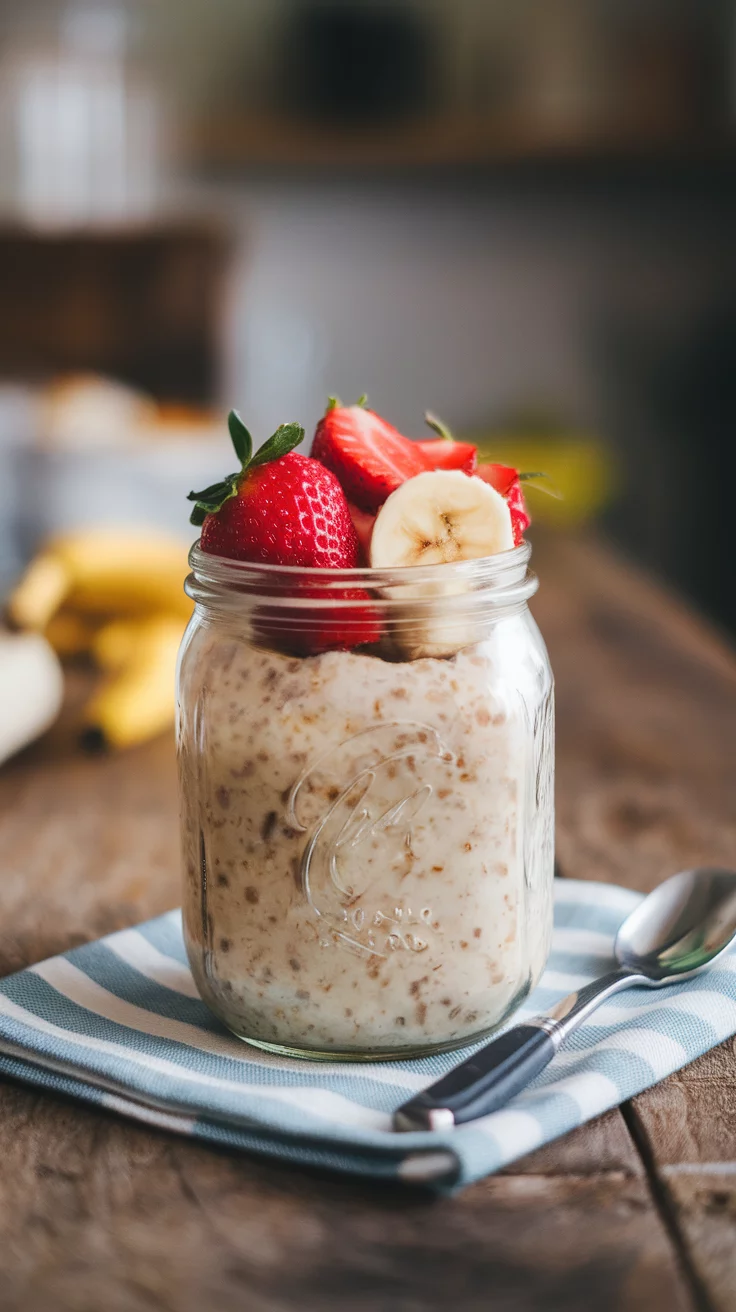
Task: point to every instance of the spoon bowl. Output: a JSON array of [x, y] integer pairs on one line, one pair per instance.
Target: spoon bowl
[[681, 928]]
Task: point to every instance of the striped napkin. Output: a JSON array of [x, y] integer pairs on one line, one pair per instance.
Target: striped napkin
[[119, 1023]]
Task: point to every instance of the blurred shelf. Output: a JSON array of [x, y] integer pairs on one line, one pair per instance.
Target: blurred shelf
[[161, 228], [236, 142], [138, 302]]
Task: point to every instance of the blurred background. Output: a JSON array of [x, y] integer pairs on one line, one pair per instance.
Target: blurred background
[[518, 213]]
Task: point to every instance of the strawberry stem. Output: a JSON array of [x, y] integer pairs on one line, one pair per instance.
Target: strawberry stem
[[438, 426], [334, 402]]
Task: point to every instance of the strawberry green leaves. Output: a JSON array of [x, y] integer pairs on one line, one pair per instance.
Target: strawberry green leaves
[[211, 499], [286, 437], [240, 438], [545, 485]]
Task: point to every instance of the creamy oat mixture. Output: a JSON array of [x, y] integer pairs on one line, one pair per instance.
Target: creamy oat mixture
[[359, 875]]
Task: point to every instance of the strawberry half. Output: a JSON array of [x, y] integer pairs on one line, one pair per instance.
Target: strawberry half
[[370, 457], [507, 481], [363, 524], [444, 452], [283, 508], [322, 628]]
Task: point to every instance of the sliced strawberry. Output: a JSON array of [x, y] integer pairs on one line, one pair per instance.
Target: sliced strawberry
[[304, 632], [363, 525], [502, 477], [444, 453], [370, 457], [283, 508], [506, 480]]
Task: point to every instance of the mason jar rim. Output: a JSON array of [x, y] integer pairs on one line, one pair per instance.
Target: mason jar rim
[[505, 576]]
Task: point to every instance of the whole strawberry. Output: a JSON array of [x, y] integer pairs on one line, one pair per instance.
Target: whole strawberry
[[283, 508]]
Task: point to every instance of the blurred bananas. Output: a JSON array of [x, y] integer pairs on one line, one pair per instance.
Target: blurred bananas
[[580, 469], [98, 572], [69, 634], [119, 598], [136, 701]]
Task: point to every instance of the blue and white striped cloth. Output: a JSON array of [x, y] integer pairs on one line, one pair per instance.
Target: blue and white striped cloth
[[119, 1023]]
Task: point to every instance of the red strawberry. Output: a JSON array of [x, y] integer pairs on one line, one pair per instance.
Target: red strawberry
[[283, 508], [307, 633], [369, 456], [506, 481], [363, 525], [291, 511], [443, 454]]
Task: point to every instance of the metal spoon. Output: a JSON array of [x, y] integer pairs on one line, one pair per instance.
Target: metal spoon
[[679, 930]]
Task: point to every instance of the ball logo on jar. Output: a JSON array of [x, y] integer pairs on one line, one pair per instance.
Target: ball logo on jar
[[363, 804]]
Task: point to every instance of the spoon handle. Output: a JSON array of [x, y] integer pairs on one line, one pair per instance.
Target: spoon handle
[[501, 1069]]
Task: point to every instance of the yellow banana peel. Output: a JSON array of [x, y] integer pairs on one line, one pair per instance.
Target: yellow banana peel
[[39, 594], [115, 644], [580, 470], [98, 572], [136, 701], [70, 634]]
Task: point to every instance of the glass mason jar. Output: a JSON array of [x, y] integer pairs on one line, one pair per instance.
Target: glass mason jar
[[367, 831]]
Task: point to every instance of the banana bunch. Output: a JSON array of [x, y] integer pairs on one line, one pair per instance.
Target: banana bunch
[[119, 598]]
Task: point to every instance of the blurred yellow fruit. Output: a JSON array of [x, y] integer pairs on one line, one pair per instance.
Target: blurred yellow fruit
[[580, 471], [99, 572], [136, 701], [70, 634]]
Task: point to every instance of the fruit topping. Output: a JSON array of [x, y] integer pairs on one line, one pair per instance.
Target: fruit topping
[[282, 508], [329, 625], [444, 452], [507, 481], [439, 517], [369, 456], [363, 524]]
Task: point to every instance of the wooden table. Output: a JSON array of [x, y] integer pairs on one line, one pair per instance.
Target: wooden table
[[635, 1211]]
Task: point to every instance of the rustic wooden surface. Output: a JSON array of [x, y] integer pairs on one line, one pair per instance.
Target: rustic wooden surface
[[635, 1211]]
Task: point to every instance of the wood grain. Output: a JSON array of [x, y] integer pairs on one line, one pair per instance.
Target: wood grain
[[687, 1127], [97, 1212], [646, 786], [646, 711]]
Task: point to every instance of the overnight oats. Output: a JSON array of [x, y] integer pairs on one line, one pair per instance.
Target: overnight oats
[[365, 750]]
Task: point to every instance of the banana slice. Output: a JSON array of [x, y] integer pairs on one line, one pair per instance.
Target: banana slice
[[440, 517]]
